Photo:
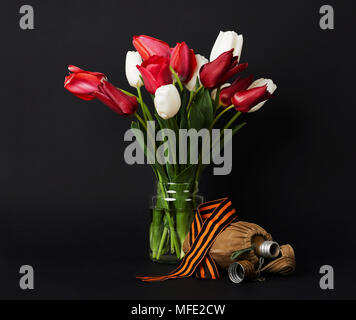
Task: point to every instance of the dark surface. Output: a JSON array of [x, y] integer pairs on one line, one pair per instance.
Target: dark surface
[[73, 209], [103, 279]]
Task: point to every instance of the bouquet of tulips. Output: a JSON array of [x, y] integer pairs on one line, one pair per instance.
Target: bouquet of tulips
[[188, 92]]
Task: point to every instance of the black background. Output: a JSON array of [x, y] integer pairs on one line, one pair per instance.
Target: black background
[[74, 210]]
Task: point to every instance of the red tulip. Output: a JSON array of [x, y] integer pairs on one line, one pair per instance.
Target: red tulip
[[245, 100], [88, 85], [83, 83], [116, 100], [183, 61], [155, 73], [238, 85], [148, 47], [218, 71]]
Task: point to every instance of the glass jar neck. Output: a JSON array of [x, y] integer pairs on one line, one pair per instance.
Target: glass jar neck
[[176, 188], [176, 196]]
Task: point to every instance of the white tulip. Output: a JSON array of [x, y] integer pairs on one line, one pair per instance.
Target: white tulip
[[201, 60], [213, 93], [133, 59], [271, 87], [167, 101], [226, 41]]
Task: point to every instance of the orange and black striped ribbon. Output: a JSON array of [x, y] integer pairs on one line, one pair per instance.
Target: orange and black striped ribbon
[[210, 220]]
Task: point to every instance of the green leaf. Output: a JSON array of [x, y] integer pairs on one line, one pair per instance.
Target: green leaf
[[235, 129], [186, 175], [222, 141], [162, 123], [201, 110], [197, 84], [157, 168], [238, 253], [169, 124], [238, 127], [182, 113]]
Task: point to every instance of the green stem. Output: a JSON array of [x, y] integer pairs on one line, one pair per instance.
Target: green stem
[[220, 115], [222, 135], [141, 121], [163, 239], [184, 218], [156, 231], [172, 246], [192, 96], [177, 78], [219, 106], [145, 111], [217, 98], [227, 126], [170, 223], [232, 120], [173, 125], [173, 234], [140, 102], [126, 92]]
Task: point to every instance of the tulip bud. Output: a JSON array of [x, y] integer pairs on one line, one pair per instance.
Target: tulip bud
[[116, 100], [167, 101], [213, 93], [226, 41], [83, 83], [89, 85], [201, 60], [238, 85], [149, 46], [255, 96], [155, 73], [183, 61], [133, 76], [271, 88], [217, 72]]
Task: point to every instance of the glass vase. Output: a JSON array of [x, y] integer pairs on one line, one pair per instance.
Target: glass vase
[[172, 212]]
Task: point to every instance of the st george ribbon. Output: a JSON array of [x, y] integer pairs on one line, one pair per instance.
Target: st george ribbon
[[210, 220]]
